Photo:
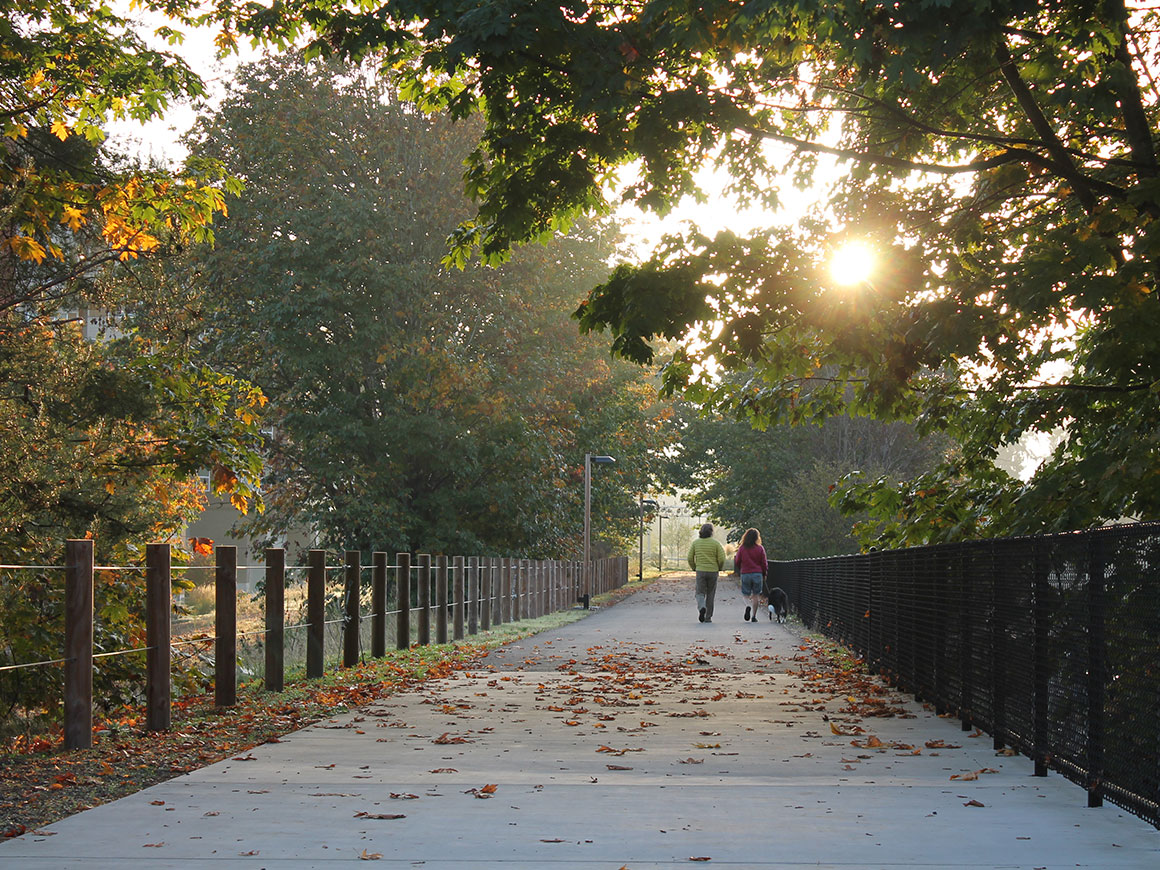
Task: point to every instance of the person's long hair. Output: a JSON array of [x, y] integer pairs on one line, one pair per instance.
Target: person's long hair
[[751, 538]]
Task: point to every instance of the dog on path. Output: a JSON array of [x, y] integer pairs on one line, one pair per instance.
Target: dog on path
[[778, 604]]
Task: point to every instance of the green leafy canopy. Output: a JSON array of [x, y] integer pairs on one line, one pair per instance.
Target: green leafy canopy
[[1000, 155]]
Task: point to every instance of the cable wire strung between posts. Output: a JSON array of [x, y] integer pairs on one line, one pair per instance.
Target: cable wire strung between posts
[[35, 664]]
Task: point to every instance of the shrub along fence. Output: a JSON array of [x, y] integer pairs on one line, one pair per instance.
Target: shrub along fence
[[420, 600], [1050, 644]]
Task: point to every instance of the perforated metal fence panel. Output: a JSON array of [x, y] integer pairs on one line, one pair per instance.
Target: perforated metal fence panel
[[1051, 644]]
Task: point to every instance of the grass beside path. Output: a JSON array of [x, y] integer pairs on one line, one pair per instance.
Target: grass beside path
[[37, 789]]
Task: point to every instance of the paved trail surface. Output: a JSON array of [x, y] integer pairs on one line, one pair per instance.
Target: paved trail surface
[[635, 738]]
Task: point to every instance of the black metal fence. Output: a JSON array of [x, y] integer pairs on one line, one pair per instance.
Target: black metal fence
[[1051, 644]]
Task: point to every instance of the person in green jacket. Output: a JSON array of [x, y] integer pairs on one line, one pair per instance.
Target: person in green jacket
[[707, 558]]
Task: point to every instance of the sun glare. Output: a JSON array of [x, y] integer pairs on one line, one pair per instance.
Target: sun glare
[[852, 263]]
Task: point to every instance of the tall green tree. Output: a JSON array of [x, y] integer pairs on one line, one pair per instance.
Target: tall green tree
[[412, 406], [780, 480], [1000, 155]]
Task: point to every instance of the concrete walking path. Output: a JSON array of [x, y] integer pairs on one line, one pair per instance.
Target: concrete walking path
[[635, 738]]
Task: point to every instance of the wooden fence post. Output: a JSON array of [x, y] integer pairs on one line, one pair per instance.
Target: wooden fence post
[[424, 602], [315, 612], [225, 665], [78, 644], [158, 607], [441, 612], [350, 614], [275, 619], [541, 574], [403, 596], [550, 568], [486, 586], [460, 597], [473, 595], [502, 587], [379, 605], [520, 590]]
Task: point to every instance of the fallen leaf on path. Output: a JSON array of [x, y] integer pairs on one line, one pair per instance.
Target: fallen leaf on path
[[379, 816], [973, 803], [941, 744], [444, 770], [553, 840], [692, 760], [848, 731], [617, 767], [364, 855], [403, 796]]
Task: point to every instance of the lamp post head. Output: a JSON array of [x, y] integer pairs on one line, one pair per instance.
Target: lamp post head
[[602, 460]]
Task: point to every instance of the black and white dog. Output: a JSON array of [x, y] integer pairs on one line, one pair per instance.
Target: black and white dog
[[778, 604]]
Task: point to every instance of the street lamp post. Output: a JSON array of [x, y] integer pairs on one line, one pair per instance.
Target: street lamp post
[[660, 542], [643, 503], [589, 458]]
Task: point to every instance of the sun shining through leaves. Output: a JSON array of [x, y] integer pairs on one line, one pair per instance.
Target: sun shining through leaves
[[852, 263]]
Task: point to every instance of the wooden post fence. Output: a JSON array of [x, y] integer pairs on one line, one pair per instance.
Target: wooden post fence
[[158, 606], [350, 611], [457, 567], [275, 618], [315, 612], [441, 608], [479, 593], [225, 645], [78, 644], [379, 605], [403, 596]]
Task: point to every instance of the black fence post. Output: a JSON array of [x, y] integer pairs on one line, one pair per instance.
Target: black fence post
[[78, 644], [1042, 668], [350, 610], [225, 646], [966, 615], [275, 618], [1002, 612], [158, 607], [1097, 671], [315, 612]]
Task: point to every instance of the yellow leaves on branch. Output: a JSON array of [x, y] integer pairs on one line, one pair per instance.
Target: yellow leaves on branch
[[133, 214]]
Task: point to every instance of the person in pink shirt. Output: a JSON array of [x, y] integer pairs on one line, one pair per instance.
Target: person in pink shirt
[[752, 566]]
